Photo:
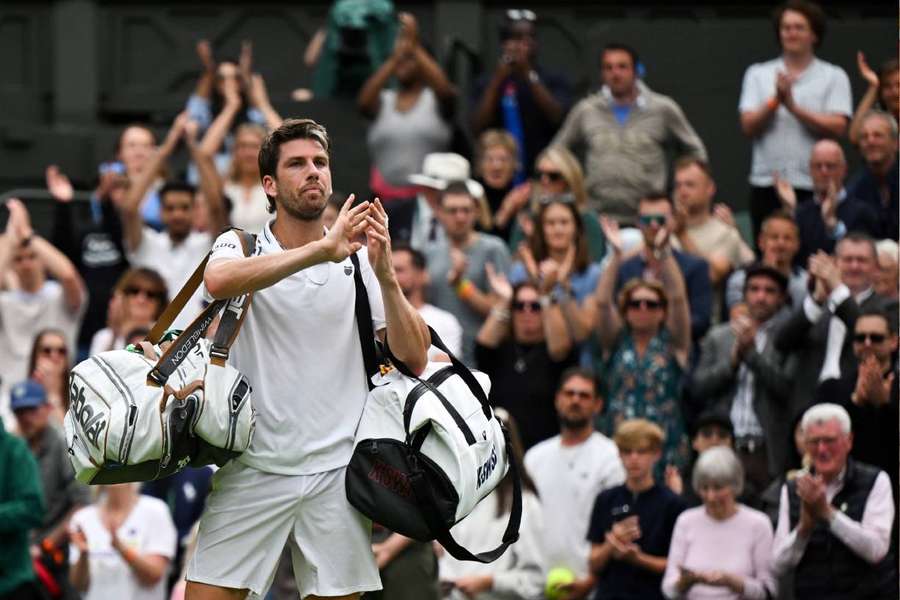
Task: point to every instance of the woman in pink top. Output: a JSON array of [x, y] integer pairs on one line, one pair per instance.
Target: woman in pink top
[[722, 549]]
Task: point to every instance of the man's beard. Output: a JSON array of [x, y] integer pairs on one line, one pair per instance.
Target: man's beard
[[573, 423], [294, 205]]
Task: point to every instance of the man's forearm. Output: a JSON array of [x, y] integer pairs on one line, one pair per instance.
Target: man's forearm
[[407, 333], [829, 124], [648, 562], [237, 276]]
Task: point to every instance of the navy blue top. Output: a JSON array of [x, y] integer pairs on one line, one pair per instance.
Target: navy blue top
[[867, 188]]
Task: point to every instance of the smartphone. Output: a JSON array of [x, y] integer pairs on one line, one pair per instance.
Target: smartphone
[[112, 167]]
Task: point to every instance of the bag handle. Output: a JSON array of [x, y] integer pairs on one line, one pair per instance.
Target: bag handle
[[364, 323]]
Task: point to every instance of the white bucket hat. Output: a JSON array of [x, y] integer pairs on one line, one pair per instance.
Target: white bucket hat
[[441, 168]]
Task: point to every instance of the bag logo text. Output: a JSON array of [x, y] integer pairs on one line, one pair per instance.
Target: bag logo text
[[485, 470], [92, 425], [391, 478]]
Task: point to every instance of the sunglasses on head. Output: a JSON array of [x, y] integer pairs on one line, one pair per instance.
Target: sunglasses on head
[[516, 14], [135, 290], [553, 176], [644, 303], [649, 220], [556, 199], [50, 350], [875, 338], [533, 306]]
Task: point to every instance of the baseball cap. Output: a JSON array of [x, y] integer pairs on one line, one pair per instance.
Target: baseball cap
[[27, 394], [440, 168]]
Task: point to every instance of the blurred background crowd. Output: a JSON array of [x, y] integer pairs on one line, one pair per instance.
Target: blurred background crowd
[[702, 387]]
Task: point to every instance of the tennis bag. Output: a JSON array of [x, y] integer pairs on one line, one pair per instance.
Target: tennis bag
[[149, 411], [428, 449]]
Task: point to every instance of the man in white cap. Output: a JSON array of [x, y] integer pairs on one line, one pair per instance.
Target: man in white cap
[[438, 169]]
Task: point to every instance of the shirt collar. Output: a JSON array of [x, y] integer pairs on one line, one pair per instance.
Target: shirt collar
[[640, 100]]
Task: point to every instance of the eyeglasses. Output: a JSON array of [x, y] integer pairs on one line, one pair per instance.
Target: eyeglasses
[[649, 220], [516, 14], [532, 306], [576, 394], [135, 290], [644, 303], [875, 338], [814, 442], [50, 350], [552, 176]]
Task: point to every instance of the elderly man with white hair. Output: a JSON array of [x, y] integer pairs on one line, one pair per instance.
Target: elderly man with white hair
[[834, 521]]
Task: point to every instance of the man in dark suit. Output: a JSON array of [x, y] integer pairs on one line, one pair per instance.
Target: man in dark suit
[[820, 331], [741, 374]]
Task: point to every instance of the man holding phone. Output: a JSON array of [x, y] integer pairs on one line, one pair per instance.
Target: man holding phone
[[631, 525]]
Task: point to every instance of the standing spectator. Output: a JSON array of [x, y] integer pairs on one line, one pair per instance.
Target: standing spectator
[[779, 241], [741, 374], [457, 267], [834, 523], [655, 217], [49, 365], [887, 281], [411, 270], [699, 565], [631, 524], [63, 495], [438, 170], [243, 187], [788, 103], [497, 156], [832, 212], [570, 470], [122, 546], [408, 123], [626, 129], [21, 510], [134, 149], [645, 338], [520, 96], [30, 301], [884, 87], [525, 348], [876, 183], [94, 246], [138, 301]]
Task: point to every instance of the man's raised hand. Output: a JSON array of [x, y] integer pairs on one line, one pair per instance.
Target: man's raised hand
[[378, 241], [339, 242]]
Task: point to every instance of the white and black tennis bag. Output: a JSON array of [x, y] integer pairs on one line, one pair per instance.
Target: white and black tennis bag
[[428, 449], [151, 410]]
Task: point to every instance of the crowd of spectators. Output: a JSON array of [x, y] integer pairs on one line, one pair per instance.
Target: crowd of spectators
[[699, 414]]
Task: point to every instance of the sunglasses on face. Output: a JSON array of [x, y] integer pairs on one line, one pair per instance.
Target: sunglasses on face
[[552, 176], [533, 306], [51, 350], [875, 338], [644, 303], [135, 290], [650, 220]]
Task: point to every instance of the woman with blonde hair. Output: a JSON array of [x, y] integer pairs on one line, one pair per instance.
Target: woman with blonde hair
[[496, 163], [249, 204]]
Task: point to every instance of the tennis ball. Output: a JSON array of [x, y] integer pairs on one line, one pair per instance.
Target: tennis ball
[[556, 578]]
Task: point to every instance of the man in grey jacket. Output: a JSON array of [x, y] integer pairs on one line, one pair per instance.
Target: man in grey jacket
[[625, 129], [742, 375]]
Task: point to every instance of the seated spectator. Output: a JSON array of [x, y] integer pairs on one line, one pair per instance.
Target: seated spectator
[[834, 523], [832, 212], [49, 365], [655, 215], [884, 87], [29, 299], [556, 260], [496, 164], [645, 341], [517, 573], [94, 246], [457, 267], [411, 270], [887, 281], [779, 240], [702, 231], [122, 545], [631, 524], [876, 182], [787, 104], [626, 129], [525, 348], [138, 301], [521, 96], [699, 565], [742, 374], [63, 495], [570, 470], [21, 510]]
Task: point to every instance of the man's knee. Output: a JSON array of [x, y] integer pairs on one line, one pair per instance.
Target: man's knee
[[203, 591]]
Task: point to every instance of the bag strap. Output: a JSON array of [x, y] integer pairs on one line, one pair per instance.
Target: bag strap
[[441, 532], [234, 314], [364, 323], [178, 302]]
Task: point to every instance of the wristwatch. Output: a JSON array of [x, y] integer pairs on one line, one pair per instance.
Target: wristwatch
[[533, 76]]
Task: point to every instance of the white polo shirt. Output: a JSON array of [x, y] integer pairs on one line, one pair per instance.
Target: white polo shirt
[[299, 347]]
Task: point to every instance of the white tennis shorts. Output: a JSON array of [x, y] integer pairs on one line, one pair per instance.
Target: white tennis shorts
[[250, 515]]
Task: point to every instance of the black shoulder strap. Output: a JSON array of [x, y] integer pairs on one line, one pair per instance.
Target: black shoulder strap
[[364, 322]]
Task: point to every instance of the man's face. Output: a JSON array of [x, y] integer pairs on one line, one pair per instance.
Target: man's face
[[857, 264], [779, 242], [872, 337], [458, 215], [887, 280], [796, 35], [577, 402], [710, 436], [27, 266], [638, 462], [410, 279], [828, 447], [617, 72], [763, 298], [827, 167], [654, 215], [876, 144], [136, 146], [302, 183], [33, 421], [520, 44], [178, 213], [890, 91], [694, 190]]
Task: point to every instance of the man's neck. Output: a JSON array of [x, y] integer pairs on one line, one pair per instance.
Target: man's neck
[[416, 298], [856, 291], [574, 437], [177, 239], [294, 233], [798, 61], [32, 285], [784, 267], [640, 485], [698, 217], [626, 98], [881, 169], [34, 442], [464, 241]]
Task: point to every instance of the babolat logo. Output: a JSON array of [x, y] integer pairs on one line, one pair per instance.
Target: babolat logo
[[92, 423], [391, 478], [485, 470]]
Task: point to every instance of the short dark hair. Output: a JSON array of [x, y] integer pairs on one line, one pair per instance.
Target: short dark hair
[[176, 186], [692, 161], [582, 372], [620, 47], [418, 259], [779, 215], [763, 270], [879, 312], [289, 130], [813, 13], [655, 196], [859, 237], [457, 188]]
